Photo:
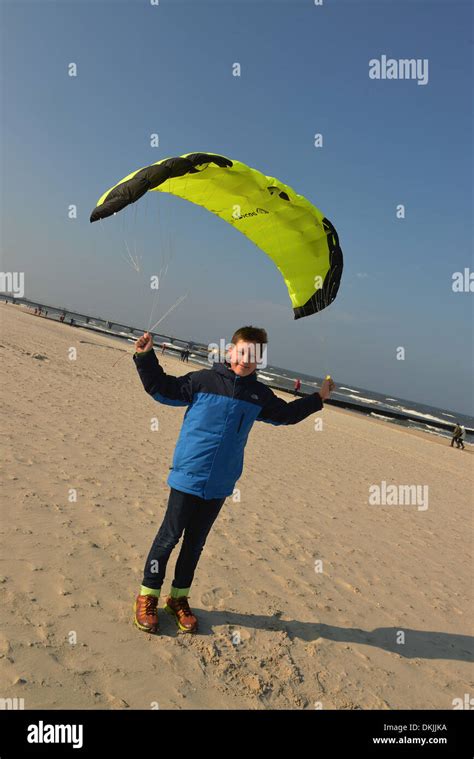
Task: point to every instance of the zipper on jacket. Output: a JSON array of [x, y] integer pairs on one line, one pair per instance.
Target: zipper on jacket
[[220, 441]]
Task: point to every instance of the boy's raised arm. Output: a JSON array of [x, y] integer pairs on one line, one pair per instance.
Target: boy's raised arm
[[164, 388], [278, 411]]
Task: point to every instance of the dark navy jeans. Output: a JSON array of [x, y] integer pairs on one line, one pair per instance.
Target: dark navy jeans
[[193, 515]]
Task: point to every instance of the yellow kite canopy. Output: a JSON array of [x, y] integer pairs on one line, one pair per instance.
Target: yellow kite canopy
[[298, 238]]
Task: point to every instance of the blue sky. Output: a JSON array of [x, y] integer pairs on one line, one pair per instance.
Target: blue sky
[[167, 69]]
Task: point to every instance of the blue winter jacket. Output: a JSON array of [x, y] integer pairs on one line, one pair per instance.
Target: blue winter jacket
[[222, 407]]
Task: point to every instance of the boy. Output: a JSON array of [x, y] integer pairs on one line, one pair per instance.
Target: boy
[[223, 403]]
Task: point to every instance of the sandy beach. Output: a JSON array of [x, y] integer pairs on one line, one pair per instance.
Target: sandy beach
[[382, 622]]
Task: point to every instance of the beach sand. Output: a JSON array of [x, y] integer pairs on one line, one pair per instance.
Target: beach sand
[[274, 633]]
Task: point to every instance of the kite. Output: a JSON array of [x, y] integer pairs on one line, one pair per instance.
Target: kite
[[299, 239]]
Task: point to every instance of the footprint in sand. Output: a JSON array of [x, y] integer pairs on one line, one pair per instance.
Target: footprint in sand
[[216, 597], [348, 586]]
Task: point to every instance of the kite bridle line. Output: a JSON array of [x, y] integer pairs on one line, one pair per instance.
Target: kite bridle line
[[165, 248]]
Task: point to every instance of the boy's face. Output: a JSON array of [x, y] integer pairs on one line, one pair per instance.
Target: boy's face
[[243, 357]]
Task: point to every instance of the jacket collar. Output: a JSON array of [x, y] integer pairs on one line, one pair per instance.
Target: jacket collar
[[226, 371]]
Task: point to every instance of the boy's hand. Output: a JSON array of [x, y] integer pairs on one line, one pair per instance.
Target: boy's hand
[[144, 343], [326, 388]]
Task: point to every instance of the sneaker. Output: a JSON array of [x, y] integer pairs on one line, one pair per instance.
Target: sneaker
[[146, 614], [179, 609]]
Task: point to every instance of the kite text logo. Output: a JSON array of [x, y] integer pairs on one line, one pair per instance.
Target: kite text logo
[[42, 733], [399, 495], [405, 68], [12, 282], [257, 212]]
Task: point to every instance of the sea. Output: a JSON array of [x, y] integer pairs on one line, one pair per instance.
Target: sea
[[390, 409]]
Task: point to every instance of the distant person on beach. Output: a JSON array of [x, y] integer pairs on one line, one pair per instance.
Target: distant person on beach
[[461, 437], [297, 386], [163, 348], [186, 355], [457, 436], [223, 403]]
